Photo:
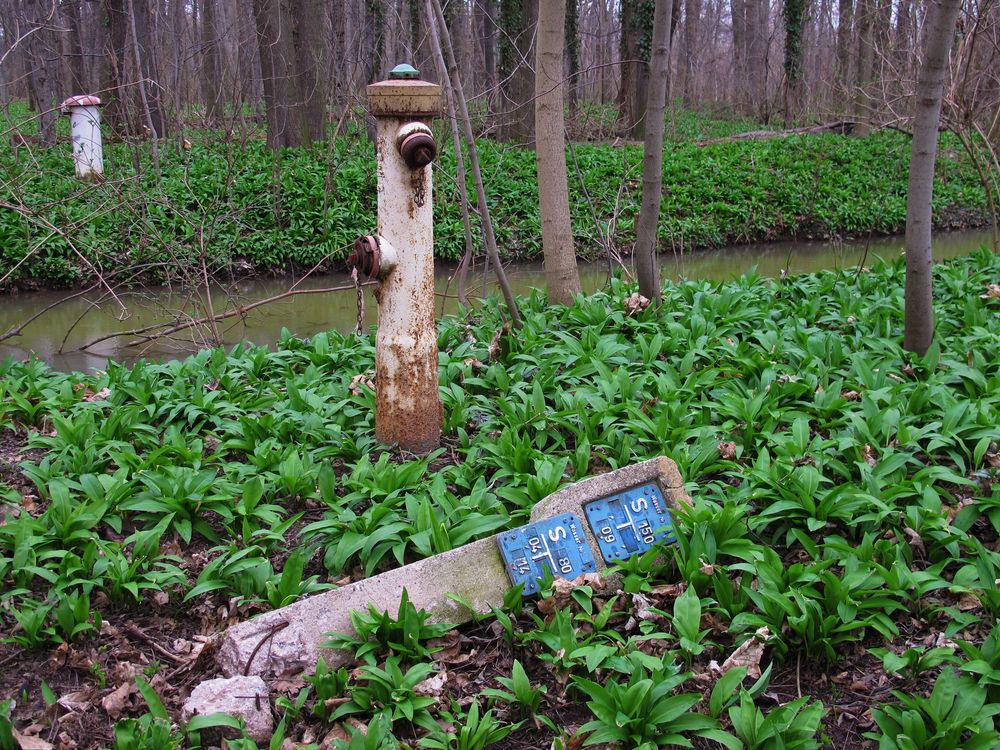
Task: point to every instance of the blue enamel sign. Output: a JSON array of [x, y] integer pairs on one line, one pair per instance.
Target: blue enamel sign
[[555, 544], [630, 522]]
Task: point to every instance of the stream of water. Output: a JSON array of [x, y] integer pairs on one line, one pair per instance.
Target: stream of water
[[57, 337]]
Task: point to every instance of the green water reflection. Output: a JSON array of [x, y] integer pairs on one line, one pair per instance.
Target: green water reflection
[[58, 336]]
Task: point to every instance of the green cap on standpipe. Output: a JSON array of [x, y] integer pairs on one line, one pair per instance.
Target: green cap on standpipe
[[404, 72]]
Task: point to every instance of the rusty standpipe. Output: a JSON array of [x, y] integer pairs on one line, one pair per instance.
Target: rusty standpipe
[[401, 256]]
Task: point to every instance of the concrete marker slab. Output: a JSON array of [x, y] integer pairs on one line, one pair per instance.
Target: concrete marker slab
[[289, 640]]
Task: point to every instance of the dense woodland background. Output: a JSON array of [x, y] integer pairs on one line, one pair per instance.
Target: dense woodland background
[[163, 66]]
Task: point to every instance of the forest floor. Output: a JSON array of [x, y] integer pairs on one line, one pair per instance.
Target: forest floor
[[834, 581]]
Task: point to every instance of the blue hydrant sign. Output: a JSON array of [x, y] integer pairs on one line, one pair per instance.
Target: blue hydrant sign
[[630, 522], [624, 524], [555, 544]]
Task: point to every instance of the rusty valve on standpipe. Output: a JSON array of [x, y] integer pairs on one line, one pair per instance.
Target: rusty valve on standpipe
[[416, 145], [373, 256]]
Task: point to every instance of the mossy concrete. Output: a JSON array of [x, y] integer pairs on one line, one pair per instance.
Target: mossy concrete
[[451, 586]]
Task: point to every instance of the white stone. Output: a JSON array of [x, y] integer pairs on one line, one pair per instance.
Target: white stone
[[242, 697]]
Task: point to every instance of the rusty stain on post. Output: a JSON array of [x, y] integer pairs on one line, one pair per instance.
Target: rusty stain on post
[[407, 408]]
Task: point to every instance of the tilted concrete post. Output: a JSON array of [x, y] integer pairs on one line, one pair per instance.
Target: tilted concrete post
[[401, 256]]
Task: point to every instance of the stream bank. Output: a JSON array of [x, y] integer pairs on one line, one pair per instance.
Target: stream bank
[[57, 337]]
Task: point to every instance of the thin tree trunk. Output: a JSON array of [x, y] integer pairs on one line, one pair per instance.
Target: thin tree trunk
[[561, 274], [147, 66], [756, 57], [454, 79], [147, 109], [275, 45], [76, 78], [488, 30], [692, 15], [573, 54], [845, 22], [866, 62], [794, 13], [463, 193], [646, 243], [517, 24], [939, 31], [311, 62], [738, 12], [115, 109], [42, 52], [211, 76]]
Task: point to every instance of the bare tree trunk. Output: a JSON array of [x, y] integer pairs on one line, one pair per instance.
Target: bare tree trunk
[[211, 74], [311, 63], [636, 26], [794, 13], [455, 81], [573, 53], [741, 78], [866, 62], [756, 52], [517, 24], [76, 69], [115, 109], [42, 53], [460, 170], [148, 68], [692, 15], [939, 31], [561, 274], [845, 21], [282, 95], [488, 31], [604, 21], [390, 34], [646, 242], [182, 49], [340, 85]]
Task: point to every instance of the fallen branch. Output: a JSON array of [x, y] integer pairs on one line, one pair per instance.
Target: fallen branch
[[843, 127], [170, 328]]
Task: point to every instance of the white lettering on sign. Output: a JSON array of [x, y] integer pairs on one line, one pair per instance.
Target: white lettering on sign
[[559, 532]]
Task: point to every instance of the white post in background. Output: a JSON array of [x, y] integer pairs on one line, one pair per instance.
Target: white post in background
[[401, 256], [85, 130]]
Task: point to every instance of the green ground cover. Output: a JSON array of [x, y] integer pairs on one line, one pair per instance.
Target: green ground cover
[[847, 509], [218, 200]]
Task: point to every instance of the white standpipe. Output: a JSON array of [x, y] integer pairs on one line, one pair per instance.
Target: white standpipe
[[407, 404], [85, 130]]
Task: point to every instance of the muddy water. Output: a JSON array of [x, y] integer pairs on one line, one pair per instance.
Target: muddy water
[[58, 336]]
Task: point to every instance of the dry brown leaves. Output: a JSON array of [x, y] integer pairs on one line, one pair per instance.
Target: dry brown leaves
[[992, 292], [749, 654], [495, 349], [993, 456], [361, 381], [562, 591], [448, 649], [727, 450], [114, 702], [868, 453], [433, 686], [635, 304], [27, 741]]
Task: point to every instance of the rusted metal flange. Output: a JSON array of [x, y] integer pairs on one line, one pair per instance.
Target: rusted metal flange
[[367, 256], [418, 150]]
